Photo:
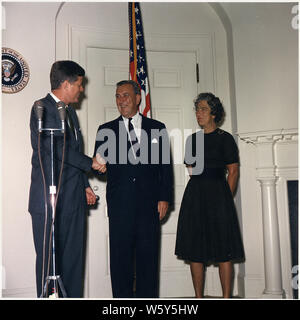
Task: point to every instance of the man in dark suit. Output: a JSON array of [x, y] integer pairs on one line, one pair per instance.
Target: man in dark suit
[[138, 193], [74, 194]]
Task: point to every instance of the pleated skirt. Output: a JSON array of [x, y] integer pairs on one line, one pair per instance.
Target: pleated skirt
[[208, 228]]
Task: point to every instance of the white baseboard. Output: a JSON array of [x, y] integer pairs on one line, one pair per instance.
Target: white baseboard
[[254, 286], [19, 293]]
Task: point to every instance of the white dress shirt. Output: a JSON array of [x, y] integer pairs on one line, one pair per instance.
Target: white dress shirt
[[57, 100], [136, 123]]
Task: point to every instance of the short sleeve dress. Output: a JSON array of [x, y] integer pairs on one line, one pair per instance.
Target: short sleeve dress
[[208, 229]]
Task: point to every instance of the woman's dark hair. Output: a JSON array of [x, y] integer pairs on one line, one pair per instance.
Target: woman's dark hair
[[65, 70], [215, 105]]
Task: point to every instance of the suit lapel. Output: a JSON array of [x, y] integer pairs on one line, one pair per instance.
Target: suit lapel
[[145, 130], [52, 109], [70, 136]]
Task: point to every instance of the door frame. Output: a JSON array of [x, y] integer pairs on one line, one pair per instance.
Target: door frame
[[79, 38]]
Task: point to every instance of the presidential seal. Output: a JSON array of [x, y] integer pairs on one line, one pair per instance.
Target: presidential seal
[[15, 71]]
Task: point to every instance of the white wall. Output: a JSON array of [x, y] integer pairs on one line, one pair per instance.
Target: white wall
[[30, 31], [266, 65], [265, 61], [265, 55]]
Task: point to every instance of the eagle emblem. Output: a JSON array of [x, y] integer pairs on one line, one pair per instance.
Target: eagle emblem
[[15, 71], [8, 70]]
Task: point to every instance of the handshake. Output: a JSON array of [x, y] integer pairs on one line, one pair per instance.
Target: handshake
[[99, 164]]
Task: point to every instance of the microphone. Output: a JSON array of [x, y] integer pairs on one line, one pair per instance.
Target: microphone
[[39, 110], [61, 106]]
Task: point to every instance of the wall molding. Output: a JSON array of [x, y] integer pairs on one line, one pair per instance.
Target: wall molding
[[260, 136]]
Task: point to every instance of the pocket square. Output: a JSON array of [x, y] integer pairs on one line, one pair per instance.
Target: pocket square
[[154, 140]]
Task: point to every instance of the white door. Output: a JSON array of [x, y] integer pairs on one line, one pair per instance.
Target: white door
[[172, 87]]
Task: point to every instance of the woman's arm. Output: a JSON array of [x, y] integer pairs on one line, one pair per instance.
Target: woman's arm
[[233, 174]]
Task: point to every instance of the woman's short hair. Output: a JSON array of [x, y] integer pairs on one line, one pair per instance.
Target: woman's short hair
[[64, 70], [214, 103]]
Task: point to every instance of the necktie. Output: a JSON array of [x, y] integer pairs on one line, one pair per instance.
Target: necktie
[[70, 121], [134, 140]]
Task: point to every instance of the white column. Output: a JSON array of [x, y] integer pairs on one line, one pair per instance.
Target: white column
[[272, 259], [266, 175]]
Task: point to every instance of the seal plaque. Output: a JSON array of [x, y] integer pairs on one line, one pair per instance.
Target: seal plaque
[[15, 71]]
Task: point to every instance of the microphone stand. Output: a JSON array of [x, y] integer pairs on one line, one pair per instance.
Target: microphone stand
[[57, 282]]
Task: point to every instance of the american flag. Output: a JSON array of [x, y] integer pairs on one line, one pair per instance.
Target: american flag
[[137, 56]]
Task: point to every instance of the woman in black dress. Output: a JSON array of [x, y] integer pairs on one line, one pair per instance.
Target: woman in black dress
[[208, 229]]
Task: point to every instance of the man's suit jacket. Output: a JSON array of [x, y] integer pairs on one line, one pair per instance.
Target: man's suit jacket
[[74, 180], [152, 182]]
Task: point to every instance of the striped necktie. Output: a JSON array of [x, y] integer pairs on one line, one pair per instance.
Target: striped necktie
[[134, 140]]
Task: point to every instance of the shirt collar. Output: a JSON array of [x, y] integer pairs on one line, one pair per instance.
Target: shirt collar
[[55, 98], [135, 119]]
